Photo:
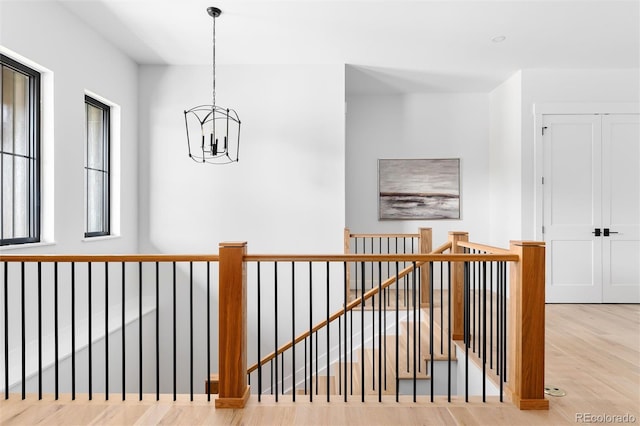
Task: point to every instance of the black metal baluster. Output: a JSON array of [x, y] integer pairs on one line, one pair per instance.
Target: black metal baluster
[[449, 335], [479, 308], [275, 314], [362, 265], [259, 339], [90, 342], [415, 352], [174, 329], [406, 292], [39, 330], [442, 308], [466, 329], [397, 371], [484, 331], [339, 355], [504, 328], [158, 331], [355, 265], [431, 351], [356, 269], [24, 337], [124, 356], [499, 317], [379, 329], [293, 331], [311, 328], [490, 314], [209, 331], [6, 329], [385, 303], [73, 331], [406, 307], [373, 328], [191, 331], [388, 275], [473, 304], [345, 300], [140, 330], [106, 331], [328, 327], [55, 329], [418, 271], [499, 325]]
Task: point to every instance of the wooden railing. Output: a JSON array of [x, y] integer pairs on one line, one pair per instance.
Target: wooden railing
[[525, 382], [526, 307]]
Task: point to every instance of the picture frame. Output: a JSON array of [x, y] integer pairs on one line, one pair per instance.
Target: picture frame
[[419, 189]]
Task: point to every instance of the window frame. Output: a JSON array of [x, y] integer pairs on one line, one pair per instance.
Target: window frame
[[34, 165], [106, 155]]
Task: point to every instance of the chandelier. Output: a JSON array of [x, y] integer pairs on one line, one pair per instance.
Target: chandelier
[[213, 131]]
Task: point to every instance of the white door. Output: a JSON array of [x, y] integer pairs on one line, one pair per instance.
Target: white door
[[621, 208], [591, 203]]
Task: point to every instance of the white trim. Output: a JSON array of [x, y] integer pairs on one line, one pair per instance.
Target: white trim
[[100, 238], [27, 246], [587, 108]]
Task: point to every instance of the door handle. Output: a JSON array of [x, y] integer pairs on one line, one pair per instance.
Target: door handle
[[607, 232], [596, 232]]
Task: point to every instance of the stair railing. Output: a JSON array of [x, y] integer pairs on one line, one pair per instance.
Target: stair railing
[[525, 308]]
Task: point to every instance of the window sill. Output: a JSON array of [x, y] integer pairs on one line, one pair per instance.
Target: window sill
[[102, 238], [27, 246]]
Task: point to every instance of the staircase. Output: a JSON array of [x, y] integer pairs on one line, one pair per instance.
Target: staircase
[[400, 374]]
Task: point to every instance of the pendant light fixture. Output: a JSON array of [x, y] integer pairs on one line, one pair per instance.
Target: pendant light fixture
[[213, 132]]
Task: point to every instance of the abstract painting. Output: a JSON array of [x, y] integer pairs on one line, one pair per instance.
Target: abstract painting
[[419, 189]]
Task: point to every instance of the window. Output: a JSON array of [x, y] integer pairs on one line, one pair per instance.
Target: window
[[96, 168], [19, 153]]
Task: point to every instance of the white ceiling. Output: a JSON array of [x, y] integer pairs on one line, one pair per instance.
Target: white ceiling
[[391, 46]]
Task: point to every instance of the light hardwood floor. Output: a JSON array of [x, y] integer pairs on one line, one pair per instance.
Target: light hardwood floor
[[593, 352]]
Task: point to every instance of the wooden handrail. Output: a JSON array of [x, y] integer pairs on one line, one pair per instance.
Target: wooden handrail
[[483, 247], [384, 235], [430, 257], [440, 250], [109, 258]]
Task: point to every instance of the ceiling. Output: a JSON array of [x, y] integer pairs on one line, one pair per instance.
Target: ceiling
[[390, 46]]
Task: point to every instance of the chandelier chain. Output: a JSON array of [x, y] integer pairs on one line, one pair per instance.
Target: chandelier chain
[[214, 62]]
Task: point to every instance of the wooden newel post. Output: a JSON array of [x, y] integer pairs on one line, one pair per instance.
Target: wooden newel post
[[426, 246], [525, 363], [456, 292], [232, 349]]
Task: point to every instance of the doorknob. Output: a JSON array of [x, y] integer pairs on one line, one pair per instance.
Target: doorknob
[[607, 232], [596, 232]]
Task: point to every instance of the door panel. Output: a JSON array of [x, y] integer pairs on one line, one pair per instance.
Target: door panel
[[621, 208], [572, 188]]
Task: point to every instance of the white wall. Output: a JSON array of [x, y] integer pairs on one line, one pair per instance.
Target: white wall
[[78, 60], [286, 194], [74, 59], [565, 86], [418, 126], [504, 162]]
